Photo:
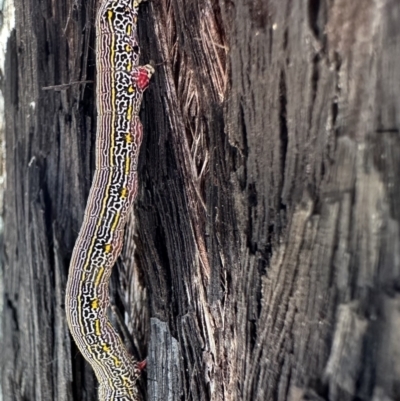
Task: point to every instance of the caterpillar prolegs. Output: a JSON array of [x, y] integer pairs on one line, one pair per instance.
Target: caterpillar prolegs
[[120, 86]]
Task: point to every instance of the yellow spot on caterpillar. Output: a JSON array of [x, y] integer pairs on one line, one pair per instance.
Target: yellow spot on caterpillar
[[110, 15], [116, 220], [95, 303], [129, 67], [128, 29], [136, 3], [126, 384], [127, 165], [131, 89], [99, 276], [129, 113], [128, 48], [97, 327], [107, 248], [106, 348], [113, 88], [128, 138], [117, 361], [124, 193]]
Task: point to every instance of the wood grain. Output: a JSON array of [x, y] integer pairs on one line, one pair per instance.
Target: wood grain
[[267, 222]]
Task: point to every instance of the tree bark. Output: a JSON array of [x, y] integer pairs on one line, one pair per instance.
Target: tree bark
[[262, 259]]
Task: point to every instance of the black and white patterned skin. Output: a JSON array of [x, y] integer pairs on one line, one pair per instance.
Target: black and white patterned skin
[[120, 86]]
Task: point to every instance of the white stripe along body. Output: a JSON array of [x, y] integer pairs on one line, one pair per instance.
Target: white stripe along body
[[120, 86]]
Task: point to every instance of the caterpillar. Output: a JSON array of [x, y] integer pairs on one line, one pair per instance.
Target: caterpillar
[[120, 86]]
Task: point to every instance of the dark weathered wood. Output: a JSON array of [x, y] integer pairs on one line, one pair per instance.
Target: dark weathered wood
[[265, 243], [49, 140], [164, 364]]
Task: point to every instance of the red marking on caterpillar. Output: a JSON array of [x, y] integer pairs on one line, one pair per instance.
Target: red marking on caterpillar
[[142, 365], [143, 77]]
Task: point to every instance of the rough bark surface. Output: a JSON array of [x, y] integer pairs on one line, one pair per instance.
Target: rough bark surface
[[265, 243]]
